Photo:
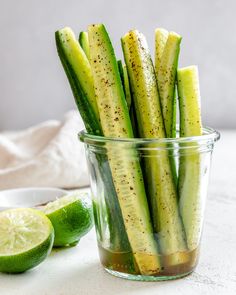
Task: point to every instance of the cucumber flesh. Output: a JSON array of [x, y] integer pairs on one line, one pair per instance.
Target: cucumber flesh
[[190, 163], [189, 102], [166, 68], [84, 43], [125, 167], [143, 85], [78, 71], [161, 36], [162, 191]]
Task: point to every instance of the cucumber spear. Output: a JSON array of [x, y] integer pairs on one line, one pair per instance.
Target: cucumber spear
[[162, 191], [167, 47], [124, 163], [190, 167], [166, 63]]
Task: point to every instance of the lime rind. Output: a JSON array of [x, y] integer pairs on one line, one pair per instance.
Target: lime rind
[[71, 217], [24, 261]]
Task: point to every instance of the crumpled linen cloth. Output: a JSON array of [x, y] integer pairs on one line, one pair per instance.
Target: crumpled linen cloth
[[48, 154]]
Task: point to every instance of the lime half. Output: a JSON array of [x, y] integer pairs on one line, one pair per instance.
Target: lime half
[[26, 239], [71, 217]]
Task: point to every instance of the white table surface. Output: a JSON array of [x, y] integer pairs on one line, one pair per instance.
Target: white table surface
[[77, 271]]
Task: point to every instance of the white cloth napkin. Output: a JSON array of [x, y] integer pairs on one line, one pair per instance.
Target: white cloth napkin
[[48, 154]]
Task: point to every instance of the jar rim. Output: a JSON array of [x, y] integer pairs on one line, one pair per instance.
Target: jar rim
[[209, 134]]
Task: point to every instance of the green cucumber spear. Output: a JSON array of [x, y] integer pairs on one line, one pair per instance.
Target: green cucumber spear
[[124, 162], [190, 162], [162, 191]]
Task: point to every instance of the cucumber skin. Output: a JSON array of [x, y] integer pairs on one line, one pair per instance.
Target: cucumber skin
[[127, 87], [124, 163], [120, 67], [119, 238], [121, 71], [125, 82], [190, 162], [129, 100], [161, 36], [163, 195], [83, 41]]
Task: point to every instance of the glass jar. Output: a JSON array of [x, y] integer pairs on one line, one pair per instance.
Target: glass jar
[[148, 200]]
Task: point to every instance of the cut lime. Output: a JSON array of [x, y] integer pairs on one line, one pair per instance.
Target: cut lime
[[26, 239], [71, 217]]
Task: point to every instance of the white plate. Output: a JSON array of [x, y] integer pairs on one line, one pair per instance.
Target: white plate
[[28, 197]]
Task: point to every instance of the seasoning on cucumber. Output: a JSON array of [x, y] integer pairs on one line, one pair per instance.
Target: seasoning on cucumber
[[166, 63], [161, 36], [125, 167], [162, 190]]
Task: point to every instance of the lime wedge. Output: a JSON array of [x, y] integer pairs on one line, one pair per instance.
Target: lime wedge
[[71, 217], [26, 238]]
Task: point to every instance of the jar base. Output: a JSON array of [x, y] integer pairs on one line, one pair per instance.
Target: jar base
[[143, 278]]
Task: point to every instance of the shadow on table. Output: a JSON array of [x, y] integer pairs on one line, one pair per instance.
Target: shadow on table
[[89, 279]]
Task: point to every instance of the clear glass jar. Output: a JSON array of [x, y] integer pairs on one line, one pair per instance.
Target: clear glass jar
[[148, 199]]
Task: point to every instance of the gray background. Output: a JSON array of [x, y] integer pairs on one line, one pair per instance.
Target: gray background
[[33, 85]]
